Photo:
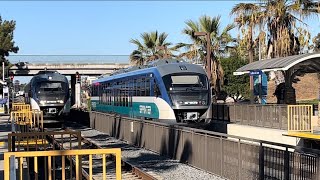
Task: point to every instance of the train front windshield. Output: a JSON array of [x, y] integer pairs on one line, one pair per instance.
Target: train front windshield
[[51, 92], [185, 82], [187, 89], [50, 87]]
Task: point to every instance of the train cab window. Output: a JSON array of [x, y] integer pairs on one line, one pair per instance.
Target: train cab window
[[95, 90], [183, 81]]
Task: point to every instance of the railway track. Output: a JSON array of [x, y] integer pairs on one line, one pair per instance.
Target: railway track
[[129, 171]]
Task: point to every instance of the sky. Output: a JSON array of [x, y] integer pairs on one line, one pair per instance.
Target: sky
[[105, 27]]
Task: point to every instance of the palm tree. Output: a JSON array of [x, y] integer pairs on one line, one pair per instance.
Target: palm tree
[[281, 18], [149, 48], [248, 17], [220, 40]]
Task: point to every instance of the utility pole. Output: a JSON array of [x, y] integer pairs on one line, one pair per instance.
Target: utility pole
[[3, 79], [260, 75]]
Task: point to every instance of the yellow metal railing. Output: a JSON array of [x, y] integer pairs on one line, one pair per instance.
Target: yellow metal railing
[[20, 156], [35, 140], [31, 119], [20, 107], [299, 118], [18, 103]]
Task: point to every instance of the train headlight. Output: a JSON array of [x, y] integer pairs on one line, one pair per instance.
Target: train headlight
[[180, 102], [202, 102], [42, 102], [60, 101]]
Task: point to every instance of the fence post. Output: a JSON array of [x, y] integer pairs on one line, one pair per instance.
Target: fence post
[[286, 164], [13, 142], [239, 159], [12, 168], [318, 166], [261, 162]]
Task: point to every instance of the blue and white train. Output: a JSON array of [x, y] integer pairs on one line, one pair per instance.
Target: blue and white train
[[170, 90]]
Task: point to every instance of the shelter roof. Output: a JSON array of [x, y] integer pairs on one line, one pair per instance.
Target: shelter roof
[[306, 63]]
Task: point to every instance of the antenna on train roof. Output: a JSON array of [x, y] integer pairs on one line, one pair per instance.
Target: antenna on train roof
[[164, 61]]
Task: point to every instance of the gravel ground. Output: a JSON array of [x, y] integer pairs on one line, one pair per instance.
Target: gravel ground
[[147, 160]]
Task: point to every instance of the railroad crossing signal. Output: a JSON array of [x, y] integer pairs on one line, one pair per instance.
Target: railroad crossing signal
[[11, 76], [78, 78]]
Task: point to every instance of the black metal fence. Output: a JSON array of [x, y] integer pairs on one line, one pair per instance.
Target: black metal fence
[[269, 116], [229, 156]]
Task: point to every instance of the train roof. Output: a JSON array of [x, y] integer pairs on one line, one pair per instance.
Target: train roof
[[163, 67], [48, 76]]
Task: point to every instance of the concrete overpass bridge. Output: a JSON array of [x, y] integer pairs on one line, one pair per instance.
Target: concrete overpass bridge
[[23, 69], [91, 65]]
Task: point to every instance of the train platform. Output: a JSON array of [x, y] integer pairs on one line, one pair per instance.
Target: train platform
[[5, 128]]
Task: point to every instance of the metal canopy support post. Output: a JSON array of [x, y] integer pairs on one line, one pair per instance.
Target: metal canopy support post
[[261, 162], [260, 88], [251, 90], [12, 168]]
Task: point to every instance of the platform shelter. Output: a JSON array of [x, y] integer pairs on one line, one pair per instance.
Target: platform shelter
[[301, 122], [290, 66]]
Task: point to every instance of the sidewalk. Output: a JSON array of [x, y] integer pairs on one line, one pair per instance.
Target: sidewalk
[[4, 130]]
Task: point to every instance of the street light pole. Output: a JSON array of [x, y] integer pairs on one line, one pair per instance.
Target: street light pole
[[3, 79], [208, 62]]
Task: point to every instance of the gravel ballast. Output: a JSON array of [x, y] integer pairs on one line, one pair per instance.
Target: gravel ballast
[[146, 160]]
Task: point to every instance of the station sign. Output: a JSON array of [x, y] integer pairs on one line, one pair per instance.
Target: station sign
[[262, 83], [255, 73]]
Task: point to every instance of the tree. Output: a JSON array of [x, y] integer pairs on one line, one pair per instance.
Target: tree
[[220, 44], [248, 16], [316, 43], [149, 49], [236, 87], [7, 44], [284, 21]]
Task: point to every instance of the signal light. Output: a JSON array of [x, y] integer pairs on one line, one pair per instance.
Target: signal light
[[78, 79], [11, 75]]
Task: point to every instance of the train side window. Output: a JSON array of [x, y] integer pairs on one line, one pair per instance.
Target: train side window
[[138, 87], [147, 86], [127, 93], [115, 91], [156, 90], [134, 88]]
